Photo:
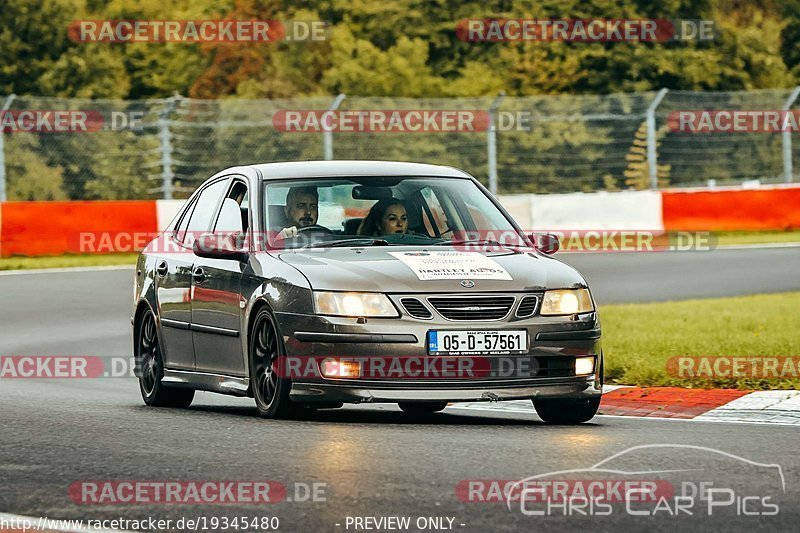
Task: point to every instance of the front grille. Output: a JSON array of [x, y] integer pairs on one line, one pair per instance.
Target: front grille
[[472, 307], [527, 306], [415, 308]]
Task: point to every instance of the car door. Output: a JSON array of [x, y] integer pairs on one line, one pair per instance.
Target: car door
[[174, 268], [173, 285], [216, 299]]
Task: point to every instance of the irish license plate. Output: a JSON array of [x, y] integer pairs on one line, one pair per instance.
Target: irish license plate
[[474, 342]]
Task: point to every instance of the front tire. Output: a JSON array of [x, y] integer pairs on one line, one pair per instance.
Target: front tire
[[567, 412], [422, 408], [150, 365], [270, 390]]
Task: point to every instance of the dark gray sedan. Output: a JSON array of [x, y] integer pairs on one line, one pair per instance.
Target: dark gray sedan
[[308, 285]]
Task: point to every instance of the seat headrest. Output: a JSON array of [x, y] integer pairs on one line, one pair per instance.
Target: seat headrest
[[277, 217], [351, 225], [414, 217]]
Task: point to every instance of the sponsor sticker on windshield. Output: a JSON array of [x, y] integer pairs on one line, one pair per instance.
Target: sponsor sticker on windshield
[[451, 265]]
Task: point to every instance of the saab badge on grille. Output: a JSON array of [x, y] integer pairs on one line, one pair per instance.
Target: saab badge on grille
[[467, 283]]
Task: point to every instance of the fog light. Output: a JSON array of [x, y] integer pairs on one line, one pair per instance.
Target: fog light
[[584, 365], [336, 368]]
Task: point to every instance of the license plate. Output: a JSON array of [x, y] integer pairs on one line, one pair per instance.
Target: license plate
[[473, 342]]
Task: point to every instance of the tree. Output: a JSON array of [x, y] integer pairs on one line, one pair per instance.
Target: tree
[[29, 176], [637, 174]]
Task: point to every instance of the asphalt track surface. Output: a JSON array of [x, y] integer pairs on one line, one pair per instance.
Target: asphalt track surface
[[374, 460]]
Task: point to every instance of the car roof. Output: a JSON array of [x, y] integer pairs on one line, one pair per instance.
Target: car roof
[[340, 168]]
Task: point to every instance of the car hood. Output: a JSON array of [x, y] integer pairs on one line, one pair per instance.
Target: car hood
[[391, 270]]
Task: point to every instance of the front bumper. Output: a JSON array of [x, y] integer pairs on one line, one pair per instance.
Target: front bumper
[[356, 393], [554, 342]]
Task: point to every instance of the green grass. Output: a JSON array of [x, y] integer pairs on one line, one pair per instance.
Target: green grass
[[639, 339], [756, 237], [69, 260]]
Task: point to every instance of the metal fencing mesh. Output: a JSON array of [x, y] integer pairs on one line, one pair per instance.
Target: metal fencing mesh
[[541, 144], [726, 158], [574, 143]]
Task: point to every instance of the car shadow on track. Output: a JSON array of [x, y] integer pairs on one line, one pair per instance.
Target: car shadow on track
[[383, 415]]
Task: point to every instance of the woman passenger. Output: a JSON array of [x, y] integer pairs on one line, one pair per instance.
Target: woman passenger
[[386, 217]]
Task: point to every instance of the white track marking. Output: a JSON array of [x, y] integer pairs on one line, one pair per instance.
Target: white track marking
[[488, 409], [758, 246], [64, 270], [774, 408]]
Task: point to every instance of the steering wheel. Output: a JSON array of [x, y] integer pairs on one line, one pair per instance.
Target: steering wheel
[[315, 227], [411, 233]]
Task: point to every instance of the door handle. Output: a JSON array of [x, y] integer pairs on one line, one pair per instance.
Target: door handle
[[162, 268], [199, 275]]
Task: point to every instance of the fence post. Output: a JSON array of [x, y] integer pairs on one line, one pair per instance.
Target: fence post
[[166, 146], [788, 174], [327, 136], [652, 155], [491, 142], [3, 191]]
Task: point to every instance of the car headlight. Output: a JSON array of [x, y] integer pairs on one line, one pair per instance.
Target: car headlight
[[566, 302], [354, 304]]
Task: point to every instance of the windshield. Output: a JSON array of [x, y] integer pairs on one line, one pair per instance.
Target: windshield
[[383, 212]]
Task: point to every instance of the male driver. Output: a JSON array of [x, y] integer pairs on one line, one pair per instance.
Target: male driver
[[301, 210]]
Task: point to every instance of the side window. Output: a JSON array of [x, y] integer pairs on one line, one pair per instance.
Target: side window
[[433, 213], [233, 215], [180, 231], [479, 220], [204, 209]]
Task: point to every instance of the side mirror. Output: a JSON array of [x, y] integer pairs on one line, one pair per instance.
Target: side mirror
[[220, 246], [547, 243]]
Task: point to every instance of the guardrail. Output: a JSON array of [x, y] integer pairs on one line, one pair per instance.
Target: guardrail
[[53, 228]]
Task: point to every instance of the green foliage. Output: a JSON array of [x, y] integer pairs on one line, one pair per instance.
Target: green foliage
[[40, 59], [29, 176], [395, 48], [366, 70], [116, 171]]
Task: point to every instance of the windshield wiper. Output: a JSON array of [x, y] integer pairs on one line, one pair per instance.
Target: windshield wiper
[[348, 242]]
